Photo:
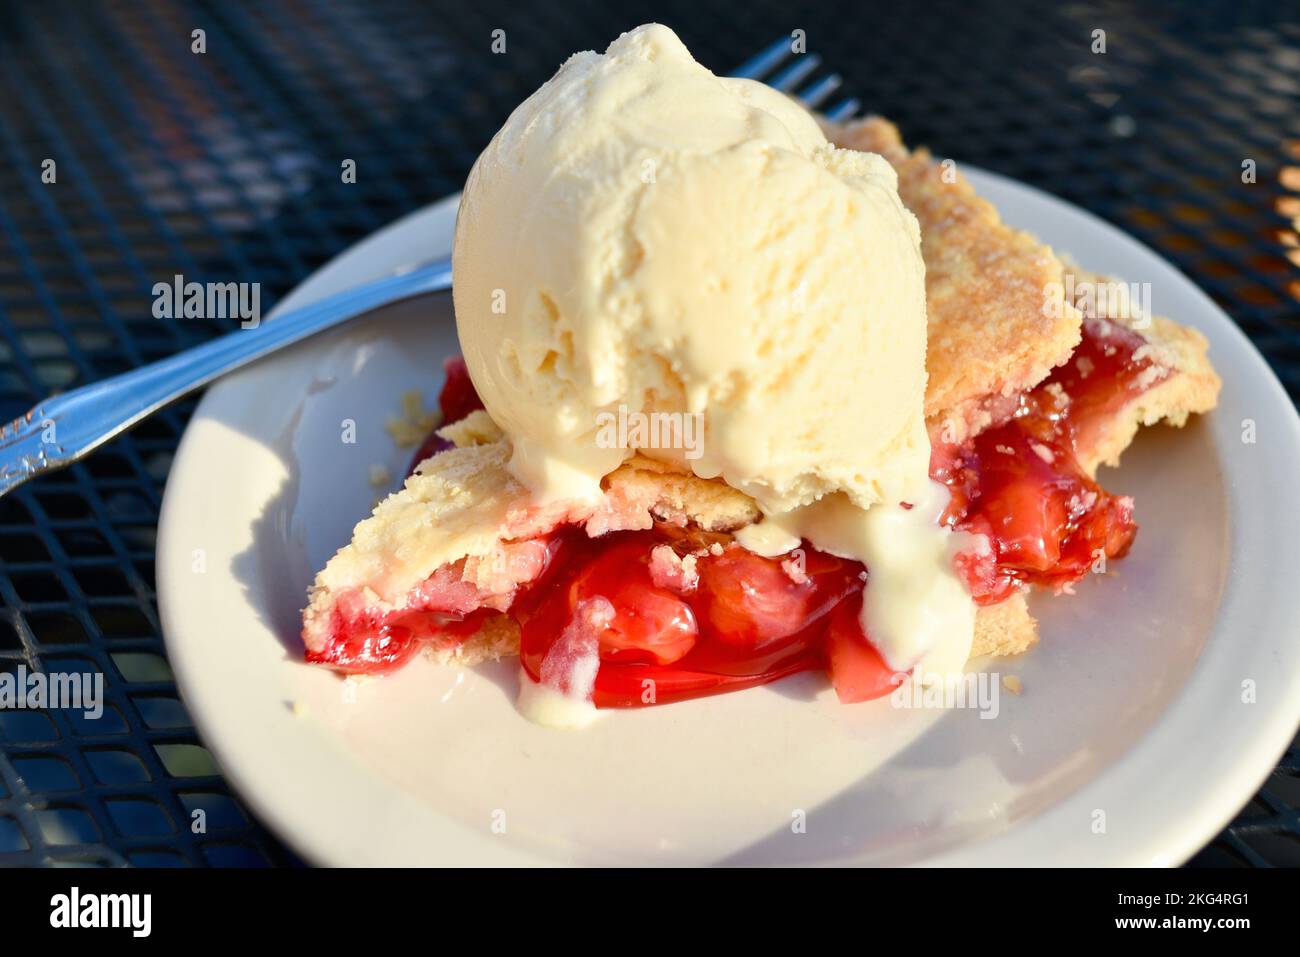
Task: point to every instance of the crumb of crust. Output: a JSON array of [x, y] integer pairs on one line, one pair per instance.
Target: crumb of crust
[[1013, 684], [380, 474], [1153, 353], [413, 423], [998, 319], [1006, 628], [675, 572], [352, 685], [1081, 502], [1150, 375], [1057, 392]]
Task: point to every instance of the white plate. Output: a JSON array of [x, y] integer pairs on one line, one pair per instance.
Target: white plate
[[1131, 743]]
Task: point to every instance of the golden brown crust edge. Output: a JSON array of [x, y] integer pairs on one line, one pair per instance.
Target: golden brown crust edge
[[1191, 388], [992, 329], [1006, 628]]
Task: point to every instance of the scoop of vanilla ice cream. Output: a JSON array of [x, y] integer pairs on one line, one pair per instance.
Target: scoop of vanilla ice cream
[[643, 238]]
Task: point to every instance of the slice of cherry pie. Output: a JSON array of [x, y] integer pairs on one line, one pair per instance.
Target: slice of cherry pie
[[644, 596]]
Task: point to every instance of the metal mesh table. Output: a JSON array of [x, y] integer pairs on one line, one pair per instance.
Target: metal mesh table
[[224, 166]]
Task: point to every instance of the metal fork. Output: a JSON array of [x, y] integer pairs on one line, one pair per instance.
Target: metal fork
[[66, 427]]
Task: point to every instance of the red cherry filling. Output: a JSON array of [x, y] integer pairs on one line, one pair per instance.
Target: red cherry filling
[[1111, 366], [364, 646], [650, 624], [708, 616], [759, 612], [1021, 484], [753, 602], [748, 620], [856, 670], [377, 643], [458, 397]]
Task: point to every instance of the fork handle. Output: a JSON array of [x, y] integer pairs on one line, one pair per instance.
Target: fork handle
[[63, 428]]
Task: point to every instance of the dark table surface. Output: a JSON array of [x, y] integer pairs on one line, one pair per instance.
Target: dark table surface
[[223, 166]]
